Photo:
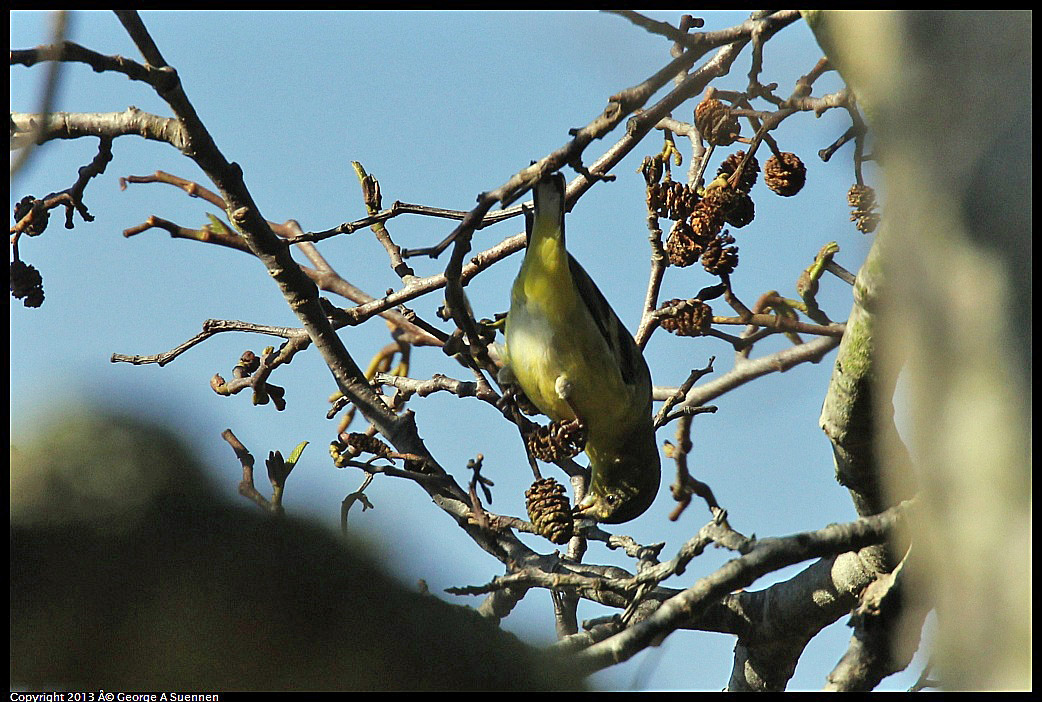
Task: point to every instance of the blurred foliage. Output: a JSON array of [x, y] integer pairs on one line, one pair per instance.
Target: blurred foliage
[[128, 572]]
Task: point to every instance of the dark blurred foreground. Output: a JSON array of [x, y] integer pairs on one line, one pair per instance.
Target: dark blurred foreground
[[128, 573]]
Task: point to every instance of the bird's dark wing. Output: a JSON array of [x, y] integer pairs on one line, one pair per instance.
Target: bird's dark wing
[[631, 362]]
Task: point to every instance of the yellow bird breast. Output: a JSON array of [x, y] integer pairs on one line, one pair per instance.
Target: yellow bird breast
[[549, 336]]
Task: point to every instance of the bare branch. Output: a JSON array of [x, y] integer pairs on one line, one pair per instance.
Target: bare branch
[[210, 328], [812, 351], [767, 556], [73, 125]]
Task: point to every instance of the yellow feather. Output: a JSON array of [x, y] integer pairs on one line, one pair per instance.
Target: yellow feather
[[561, 333]]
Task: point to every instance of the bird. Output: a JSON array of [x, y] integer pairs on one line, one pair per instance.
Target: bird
[[574, 359]]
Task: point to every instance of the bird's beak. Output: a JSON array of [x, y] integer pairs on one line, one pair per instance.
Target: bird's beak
[[583, 507]]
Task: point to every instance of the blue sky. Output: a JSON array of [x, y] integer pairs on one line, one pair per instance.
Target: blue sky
[[439, 106]]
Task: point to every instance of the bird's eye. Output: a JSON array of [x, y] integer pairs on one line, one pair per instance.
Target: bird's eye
[[610, 499]]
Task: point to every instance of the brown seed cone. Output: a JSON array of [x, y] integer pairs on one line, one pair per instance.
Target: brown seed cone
[[719, 258], [557, 441], [549, 511], [26, 284], [680, 200], [22, 207], [693, 319], [41, 215], [672, 191], [682, 247], [748, 177], [785, 176], [720, 198], [715, 122], [735, 207], [706, 222], [742, 211], [655, 199], [867, 221], [652, 168], [861, 197]]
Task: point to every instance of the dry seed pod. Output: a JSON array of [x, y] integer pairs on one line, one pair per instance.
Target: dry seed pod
[[652, 169], [680, 200], [549, 511], [655, 200], [557, 441], [785, 176], [719, 258], [40, 217], [26, 283], [706, 222], [693, 319], [734, 206], [682, 246], [863, 199], [866, 221], [715, 122], [742, 211], [748, 177]]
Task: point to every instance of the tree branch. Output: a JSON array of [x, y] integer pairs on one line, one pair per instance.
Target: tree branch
[[768, 555]]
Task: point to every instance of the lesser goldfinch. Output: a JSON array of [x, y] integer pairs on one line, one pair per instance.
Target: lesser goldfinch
[[573, 358]]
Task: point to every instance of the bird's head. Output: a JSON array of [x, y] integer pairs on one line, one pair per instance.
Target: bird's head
[[624, 483]]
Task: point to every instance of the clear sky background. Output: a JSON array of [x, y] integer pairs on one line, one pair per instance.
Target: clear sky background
[[439, 106]]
